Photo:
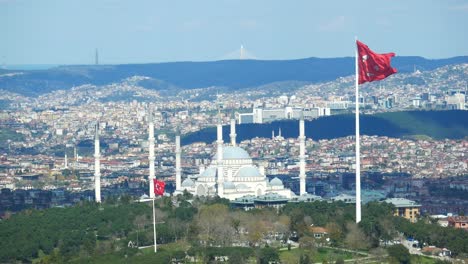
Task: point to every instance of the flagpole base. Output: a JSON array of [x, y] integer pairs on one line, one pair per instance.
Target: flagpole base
[[154, 229]]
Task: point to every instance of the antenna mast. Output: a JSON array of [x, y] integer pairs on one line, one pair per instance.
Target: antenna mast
[[96, 57]]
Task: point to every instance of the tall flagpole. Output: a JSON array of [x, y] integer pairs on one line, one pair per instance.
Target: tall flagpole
[[358, 159], [154, 228]]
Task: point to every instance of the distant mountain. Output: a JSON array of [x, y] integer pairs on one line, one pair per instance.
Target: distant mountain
[[434, 124], [234, 74]]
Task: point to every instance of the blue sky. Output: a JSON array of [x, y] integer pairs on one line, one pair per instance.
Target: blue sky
[[69, 31]]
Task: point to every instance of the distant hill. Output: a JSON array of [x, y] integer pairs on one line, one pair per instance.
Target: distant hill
[[234, 74], [434, 124]]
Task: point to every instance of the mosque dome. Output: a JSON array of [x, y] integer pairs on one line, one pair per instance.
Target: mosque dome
[[242, 187], [248, 171], [188, 183], [276, 182], [209, 172], [230, 152], [229, 185]]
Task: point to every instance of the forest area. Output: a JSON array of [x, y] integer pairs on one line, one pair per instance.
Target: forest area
[[199, 230]]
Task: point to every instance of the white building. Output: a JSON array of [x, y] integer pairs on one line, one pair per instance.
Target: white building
[[456, 101], [338, 105], [232, 175], [266, 115]]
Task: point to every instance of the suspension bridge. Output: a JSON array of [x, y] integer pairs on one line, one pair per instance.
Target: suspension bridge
[[239, 54]]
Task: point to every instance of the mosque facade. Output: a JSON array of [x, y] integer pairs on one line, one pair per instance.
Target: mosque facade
[[232, 173]]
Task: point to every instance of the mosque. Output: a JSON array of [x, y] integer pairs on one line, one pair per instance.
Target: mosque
[[233, 175]]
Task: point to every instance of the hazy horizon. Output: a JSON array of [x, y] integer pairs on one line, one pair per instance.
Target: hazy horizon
[[49, 66], [68, 32]]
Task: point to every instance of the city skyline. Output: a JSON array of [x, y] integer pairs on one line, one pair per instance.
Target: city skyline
[[53, 32], [233, 131]]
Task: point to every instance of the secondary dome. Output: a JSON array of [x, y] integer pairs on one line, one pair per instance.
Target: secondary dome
[[276, 182], [188, 183], [249, 171], [209, 172], [242, 187], [230, 152], [229, 185]]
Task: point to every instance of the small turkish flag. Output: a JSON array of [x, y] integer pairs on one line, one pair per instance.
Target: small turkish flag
[[159, 187], [373, 66]]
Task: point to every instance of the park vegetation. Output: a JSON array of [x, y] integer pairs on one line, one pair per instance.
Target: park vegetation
[[206, 230]]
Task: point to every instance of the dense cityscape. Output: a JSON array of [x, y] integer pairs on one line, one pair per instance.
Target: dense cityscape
[[128, 133], [62, 123]]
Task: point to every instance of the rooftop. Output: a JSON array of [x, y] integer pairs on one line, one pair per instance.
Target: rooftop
[[230, 152], [271, 197], [402, 202], [460, 219], [248, 171], [248, 199]]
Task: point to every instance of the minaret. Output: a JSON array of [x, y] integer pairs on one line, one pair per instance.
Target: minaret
[[151, 176], [233, 130], [178, 169], [261, 168], [97, 166], [75, 153], [302, 173], [219, 161], [66, 161]]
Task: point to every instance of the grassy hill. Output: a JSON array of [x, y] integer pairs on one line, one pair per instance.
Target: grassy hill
[[433, 124]]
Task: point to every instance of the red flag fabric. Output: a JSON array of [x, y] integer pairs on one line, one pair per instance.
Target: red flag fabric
[[373, 66], [159, 187]]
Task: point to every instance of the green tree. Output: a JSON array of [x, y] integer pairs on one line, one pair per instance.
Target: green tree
[[186, 195], [54, 257], [89, 243], [237, 259], [297, 223], [235, 223], [399, 254], [268, 255], [340, 261], [304, 259]]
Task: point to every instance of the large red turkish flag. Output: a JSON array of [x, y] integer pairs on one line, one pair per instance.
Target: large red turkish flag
[[159, 187], [373, 66]]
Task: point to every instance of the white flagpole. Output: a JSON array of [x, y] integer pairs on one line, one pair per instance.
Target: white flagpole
[[358, 159], [154, 228]]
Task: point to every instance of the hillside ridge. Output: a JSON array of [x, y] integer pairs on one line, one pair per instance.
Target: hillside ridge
[[435, 124], [233, 74]]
